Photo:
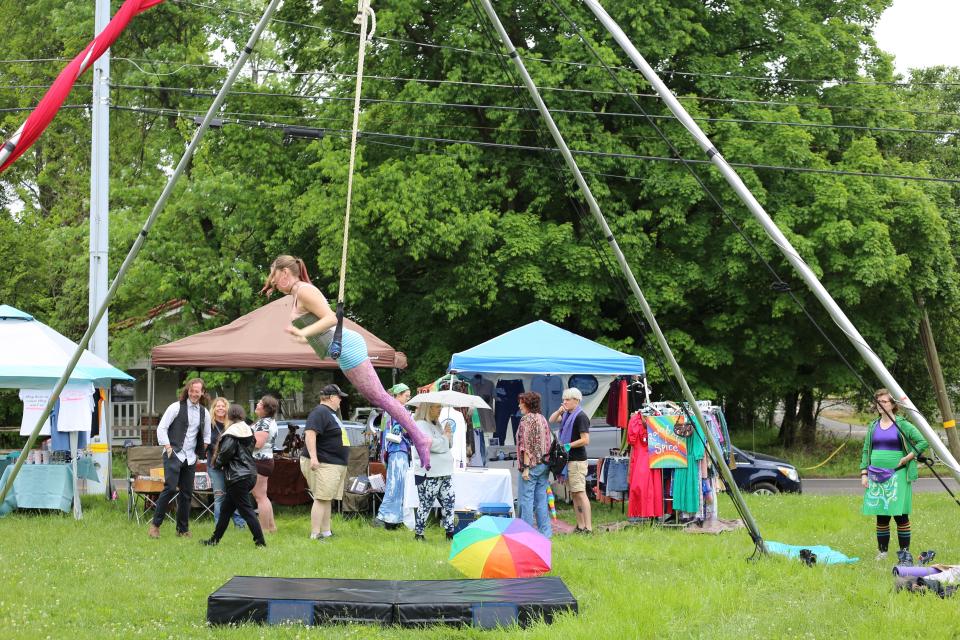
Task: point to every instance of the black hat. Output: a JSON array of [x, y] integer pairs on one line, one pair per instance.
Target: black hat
[[333, 390]]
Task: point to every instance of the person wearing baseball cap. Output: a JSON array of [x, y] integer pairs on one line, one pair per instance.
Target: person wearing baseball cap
[[323, 461], [333, 390]]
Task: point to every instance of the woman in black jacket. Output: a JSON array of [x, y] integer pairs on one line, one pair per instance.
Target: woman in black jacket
[[234, 457]]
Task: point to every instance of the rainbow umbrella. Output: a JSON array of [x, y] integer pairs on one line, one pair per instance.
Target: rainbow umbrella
[[500, 548]]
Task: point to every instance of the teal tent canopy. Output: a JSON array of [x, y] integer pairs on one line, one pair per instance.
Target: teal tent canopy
[[542, 348], [34, 356]]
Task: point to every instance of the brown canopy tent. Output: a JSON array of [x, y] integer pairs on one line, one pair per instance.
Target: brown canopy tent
[[257, 341]]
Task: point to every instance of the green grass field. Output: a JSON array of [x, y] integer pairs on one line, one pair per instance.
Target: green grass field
[[103, 578]]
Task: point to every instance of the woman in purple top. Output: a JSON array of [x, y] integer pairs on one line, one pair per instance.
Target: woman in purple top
[[888, 466]]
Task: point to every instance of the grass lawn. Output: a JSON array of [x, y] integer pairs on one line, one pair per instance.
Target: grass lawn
[[103, 578]]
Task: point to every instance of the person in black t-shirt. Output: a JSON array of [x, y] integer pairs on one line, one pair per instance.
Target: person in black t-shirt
[[575, 436], [323, 461]]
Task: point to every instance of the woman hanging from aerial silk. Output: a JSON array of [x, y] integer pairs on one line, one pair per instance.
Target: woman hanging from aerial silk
[[313, 321]]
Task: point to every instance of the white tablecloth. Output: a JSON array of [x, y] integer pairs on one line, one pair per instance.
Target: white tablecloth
[[470, 488]]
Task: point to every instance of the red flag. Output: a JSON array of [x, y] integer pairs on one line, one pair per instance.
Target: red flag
[[44, 113]]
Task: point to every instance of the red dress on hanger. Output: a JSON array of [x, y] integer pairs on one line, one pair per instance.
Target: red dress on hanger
[[617, 411], [646, 484]]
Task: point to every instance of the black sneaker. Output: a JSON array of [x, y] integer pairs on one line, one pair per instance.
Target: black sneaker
[[927, 557], [904, 558], [209, 542], [449, 535], [418, 537]]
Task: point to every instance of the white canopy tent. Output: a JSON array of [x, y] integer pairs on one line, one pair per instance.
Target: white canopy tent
[[34, 356]]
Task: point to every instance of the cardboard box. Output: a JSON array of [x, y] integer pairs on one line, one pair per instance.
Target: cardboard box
[[143, 484], [157, 472]]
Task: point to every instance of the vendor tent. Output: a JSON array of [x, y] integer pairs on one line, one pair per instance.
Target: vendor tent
[[540, 349], [257, 341], [34, 356]]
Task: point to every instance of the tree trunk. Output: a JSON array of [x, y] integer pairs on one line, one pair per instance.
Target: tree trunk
[[739, 413], [788, 426], [807, 417]]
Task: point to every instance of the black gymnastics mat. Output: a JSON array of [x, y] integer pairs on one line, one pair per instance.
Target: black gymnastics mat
[[315, 601]]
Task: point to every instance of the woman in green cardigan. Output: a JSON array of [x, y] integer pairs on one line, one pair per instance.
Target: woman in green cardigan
[[888, 466]]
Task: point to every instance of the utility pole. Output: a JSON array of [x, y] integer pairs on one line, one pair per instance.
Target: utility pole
[[936, 375], [100, 224]]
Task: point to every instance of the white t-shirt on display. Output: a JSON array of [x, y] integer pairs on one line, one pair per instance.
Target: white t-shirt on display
[[75, 412]]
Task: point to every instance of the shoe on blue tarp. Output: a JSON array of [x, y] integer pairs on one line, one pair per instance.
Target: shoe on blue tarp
[[824, 554]]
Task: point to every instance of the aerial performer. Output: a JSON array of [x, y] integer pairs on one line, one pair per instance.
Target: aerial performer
[[313, 321]]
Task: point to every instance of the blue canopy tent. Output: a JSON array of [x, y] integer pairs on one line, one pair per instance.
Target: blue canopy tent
[[540, 349]]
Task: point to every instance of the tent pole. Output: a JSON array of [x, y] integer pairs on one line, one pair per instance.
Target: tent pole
[[244, 53], [712, 445], [780, 240]]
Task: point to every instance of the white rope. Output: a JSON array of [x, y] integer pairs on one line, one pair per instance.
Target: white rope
[[364, 12]]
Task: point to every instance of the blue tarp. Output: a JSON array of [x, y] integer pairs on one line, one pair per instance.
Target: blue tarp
[[825, 555], [542, 348]]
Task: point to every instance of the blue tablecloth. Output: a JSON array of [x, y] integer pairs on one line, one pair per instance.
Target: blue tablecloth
[[44, 486]]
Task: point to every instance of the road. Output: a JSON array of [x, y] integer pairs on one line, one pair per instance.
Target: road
[[850, 486]]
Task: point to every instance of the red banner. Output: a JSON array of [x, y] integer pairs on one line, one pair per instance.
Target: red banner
[[45, 111]]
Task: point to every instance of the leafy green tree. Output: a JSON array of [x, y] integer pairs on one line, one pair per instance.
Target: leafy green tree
[[455, 237]]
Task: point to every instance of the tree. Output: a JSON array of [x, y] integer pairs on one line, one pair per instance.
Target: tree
[[456, 235]]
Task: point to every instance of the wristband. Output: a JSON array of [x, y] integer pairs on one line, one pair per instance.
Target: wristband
[[566, 447]]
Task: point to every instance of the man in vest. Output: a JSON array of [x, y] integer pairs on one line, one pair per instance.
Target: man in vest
[[184, 433]]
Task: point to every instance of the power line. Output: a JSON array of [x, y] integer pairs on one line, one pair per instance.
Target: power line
[[63, 106], [200, 92], [597, 154], [582, 64], [775, 103]]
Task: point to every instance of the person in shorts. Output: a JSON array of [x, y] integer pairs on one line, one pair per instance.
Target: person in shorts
[[575, 436], [324, 459]]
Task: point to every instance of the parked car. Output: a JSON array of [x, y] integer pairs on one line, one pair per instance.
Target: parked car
[[762, 474], [755, 472]]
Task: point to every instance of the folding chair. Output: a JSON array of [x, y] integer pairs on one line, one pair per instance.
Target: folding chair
[[202, 497], [142, 493]]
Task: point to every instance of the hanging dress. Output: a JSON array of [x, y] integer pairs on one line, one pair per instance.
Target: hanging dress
[[646, 484], [686, 481]]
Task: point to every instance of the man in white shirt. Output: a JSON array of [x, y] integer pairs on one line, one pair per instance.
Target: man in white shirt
[[184, 433]]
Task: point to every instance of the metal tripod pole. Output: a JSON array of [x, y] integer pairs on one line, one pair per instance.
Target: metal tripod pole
[[839, 317], [142, 237], [714, 448]]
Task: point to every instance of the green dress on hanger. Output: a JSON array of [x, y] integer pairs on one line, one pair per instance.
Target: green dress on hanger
[[686, 481]]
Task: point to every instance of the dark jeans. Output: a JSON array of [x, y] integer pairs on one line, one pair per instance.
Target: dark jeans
[[177, 476], [238, 499]]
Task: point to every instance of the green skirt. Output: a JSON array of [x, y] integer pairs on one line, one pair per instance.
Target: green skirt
[[893, 497]]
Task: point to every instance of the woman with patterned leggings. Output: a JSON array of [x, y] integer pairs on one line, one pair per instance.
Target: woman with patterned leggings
[[888, 467], [313, 321]]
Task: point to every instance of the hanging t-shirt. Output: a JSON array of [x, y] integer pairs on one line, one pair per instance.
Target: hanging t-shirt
[[73, 414], [34, 400], [550, 389], [458, 446]]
